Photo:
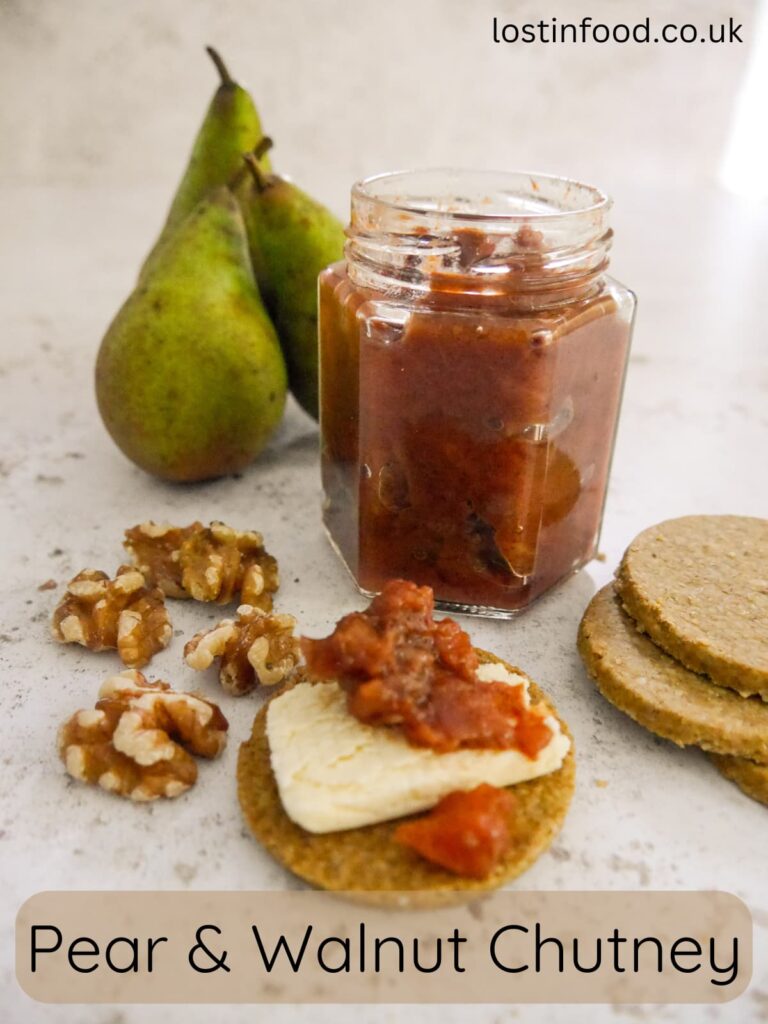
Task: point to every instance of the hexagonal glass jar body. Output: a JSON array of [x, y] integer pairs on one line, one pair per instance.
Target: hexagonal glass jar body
[[472, 358]]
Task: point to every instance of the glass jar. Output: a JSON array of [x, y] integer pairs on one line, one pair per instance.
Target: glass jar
[[472, 357]]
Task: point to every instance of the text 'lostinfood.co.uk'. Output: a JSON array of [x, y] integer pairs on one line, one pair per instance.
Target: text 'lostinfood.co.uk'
[[588, 30]]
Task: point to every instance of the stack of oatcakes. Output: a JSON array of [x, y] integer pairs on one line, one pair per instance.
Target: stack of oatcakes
[[679, 640]]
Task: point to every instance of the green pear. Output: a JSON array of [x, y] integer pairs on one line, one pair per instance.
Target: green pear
[[292, 238], [230, 127], [190, 379]]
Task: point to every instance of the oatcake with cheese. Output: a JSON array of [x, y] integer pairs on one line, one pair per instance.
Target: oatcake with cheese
[[751, 778], [698, 586], [368, 859], [662, 695]]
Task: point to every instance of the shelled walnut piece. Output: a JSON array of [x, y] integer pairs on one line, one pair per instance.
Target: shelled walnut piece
[[139, 739], [254, 648], [213, 563], [155, 549], [123, 613]]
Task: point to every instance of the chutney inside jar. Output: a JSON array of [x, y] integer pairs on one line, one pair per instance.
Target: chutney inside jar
[[472, 353]]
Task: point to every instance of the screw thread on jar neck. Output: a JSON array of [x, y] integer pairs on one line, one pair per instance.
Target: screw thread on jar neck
[[525, 240]]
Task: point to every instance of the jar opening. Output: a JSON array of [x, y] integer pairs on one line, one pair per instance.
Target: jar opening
[[505, 234], [479, 196]]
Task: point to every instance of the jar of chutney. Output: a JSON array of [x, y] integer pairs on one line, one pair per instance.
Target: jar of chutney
[[472, 358]]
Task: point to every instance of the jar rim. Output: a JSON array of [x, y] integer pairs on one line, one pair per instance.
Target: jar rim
[[500, 197]]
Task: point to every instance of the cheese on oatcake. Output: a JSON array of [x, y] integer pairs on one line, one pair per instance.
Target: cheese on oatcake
[[334, 772]]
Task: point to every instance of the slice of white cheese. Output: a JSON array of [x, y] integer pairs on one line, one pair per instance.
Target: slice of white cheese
[[334, 772]]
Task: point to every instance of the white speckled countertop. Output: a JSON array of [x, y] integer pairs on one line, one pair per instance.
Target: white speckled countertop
[[693, 438]]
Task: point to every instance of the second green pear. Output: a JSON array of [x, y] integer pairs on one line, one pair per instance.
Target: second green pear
[[292, 238], [230, 127]]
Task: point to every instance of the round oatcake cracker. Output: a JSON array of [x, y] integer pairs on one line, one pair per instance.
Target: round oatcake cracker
[[751, 778], [698, 586], [665, 697], [368, 860]]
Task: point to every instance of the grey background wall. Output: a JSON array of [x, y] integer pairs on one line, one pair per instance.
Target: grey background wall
[[102, 93]]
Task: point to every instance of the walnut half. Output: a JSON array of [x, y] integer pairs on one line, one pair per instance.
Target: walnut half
[[207, 563], [255, 648], [139, 739], [155, 549], [104, 614]]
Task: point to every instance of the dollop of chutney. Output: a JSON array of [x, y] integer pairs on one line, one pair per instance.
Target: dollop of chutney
[[466, 832], [402, 668]]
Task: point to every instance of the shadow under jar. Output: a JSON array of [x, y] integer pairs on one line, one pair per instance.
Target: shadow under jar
[[472, 357]]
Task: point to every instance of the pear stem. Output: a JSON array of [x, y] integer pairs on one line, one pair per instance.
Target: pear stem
[[263, 146], [252, 160], [221, 67]]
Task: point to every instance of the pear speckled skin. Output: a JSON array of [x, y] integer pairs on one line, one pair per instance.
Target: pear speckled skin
[[292, 238], [190, 379], [231, 127]]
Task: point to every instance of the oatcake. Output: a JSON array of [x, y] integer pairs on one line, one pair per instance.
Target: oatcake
[[699, 587], [665, 697], [751, 778], [368, 859]]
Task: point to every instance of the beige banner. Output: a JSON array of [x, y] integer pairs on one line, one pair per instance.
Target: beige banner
[[311, 947]]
